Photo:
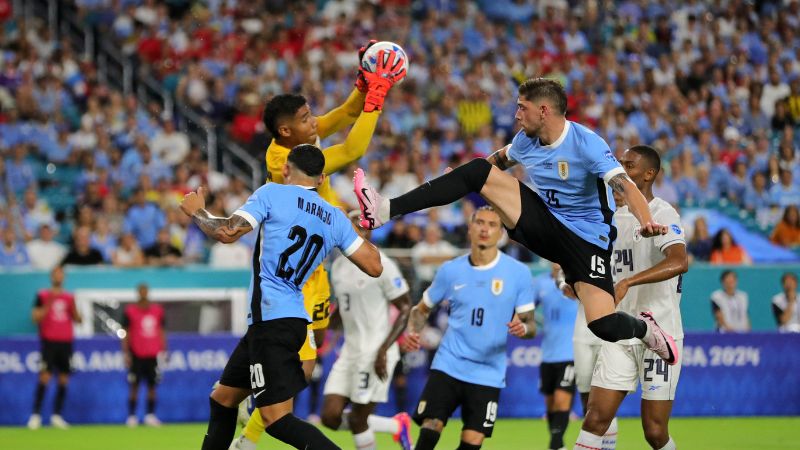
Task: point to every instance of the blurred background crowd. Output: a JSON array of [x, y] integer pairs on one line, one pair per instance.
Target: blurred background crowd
[[89, 175]]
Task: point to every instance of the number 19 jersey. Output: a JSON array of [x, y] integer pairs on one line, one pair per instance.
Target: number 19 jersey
[[296, 229], [483, 299], [634, 253]]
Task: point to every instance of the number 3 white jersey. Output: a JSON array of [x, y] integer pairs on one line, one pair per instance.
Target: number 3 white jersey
[[634, 253], [364, 305]]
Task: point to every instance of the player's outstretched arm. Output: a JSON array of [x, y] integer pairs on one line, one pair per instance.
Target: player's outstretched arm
[[523, 325], [221, 229], [500, 159], [338, 156], [675, 262], [342, 116], [403, 305], [637, 204], [368, 259]]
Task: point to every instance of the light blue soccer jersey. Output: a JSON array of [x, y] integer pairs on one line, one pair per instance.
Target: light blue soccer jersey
[[558, 314], [482, 300], [569, 175], [296, 228]]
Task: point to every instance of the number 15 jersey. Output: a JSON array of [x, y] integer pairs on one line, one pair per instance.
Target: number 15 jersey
[[634, 253], [296, 230]]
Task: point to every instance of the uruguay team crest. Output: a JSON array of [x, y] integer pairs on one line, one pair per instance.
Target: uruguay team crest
[[497, 286], [563, 170]]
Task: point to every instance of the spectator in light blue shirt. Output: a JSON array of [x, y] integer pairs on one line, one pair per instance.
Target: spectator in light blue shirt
[[143, 220], [756, 196], [19, 173], [12, 253], [786, 192]]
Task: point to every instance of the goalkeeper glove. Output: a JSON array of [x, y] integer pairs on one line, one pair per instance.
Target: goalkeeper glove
[[380, 81], [361, 82]]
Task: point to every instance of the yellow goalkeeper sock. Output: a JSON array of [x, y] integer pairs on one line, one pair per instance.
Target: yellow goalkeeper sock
[[255, 427]]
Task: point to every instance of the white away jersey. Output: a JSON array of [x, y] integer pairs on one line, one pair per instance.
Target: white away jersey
[[364, 304], [582, 334], [634, 253]]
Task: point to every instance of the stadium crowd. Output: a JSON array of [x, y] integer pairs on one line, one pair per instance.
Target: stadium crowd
[[90, 176]]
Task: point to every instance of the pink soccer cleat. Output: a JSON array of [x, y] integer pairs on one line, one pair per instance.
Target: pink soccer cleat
[[368, 201], [661, 343], [403, 435]]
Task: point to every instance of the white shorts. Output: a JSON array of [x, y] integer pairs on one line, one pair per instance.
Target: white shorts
[[356, 379], [585, 360], [621, 367]]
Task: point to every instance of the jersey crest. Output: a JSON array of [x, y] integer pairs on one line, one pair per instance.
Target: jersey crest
[[563, 169], [497, 286], [637, 233]]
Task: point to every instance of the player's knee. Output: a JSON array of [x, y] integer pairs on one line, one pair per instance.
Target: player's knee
[[606, 328], [656, 434], [433, 424], [476, 172], [331, 418], [44, 377], [596, 422]]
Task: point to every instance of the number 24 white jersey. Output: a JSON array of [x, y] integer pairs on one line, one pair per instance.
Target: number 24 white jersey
[[634, 253], [363, 303]]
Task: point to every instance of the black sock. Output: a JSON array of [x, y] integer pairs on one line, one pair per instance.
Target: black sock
[[37, 402], [61, 393], [221, 427], [299, 434], [558, 421], [464, 446], [618, 326], [131, 406], [151, 405], [427, 439], [443, 190]]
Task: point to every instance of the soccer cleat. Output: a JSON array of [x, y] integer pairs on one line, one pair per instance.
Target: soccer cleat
[[151, 420], [403, 435], [661, 343], [35, 422], [368, 201], [132, 422], [242, 443], [57, 421]]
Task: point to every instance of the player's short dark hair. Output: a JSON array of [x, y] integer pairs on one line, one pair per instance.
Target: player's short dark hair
[[649, 154], [279, 107], [308, 159], [552, 90], [787, 275], [725, 274], [482, 208]]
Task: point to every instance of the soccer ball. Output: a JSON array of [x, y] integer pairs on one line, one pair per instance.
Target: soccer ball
[[370, 59]]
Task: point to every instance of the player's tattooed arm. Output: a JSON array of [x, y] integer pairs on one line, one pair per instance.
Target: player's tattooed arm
[[637, 204], [523, 325], [416, 323], [222, 229], [500, 159]]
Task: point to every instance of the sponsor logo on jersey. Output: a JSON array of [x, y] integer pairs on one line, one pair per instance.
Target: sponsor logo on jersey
[[563, 170], [497, 286], [421, 406], [676, 228], [547, 165]]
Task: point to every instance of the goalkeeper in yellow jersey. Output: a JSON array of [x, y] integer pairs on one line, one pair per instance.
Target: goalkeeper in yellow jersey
[[289, 119]]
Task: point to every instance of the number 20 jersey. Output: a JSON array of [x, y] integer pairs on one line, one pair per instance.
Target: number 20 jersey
[[633, 253], [296, 230]]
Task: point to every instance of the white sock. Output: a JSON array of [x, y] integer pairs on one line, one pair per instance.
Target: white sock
[[383, 210], [588, 441], [365, 440], [383, 424], [243, 443], [610, 438], [345, 425], [670, 445]]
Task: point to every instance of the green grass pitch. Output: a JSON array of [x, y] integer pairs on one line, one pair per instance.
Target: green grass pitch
[[694, 433]]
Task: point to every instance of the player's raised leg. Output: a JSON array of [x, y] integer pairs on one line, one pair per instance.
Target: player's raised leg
[[497, 187]]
